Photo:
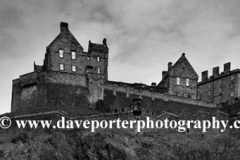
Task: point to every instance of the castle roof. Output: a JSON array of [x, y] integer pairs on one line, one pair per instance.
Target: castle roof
[[65, 33], [183, 66]]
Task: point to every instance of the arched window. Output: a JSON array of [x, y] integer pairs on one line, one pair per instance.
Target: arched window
[[88, 69]]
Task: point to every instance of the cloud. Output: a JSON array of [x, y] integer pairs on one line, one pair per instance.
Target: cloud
[[143, 36]]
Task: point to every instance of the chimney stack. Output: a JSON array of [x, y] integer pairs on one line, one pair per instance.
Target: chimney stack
[[105, 41], [154, 84], [63, 26], [169, 65], [164, 73], [204, 76], [215, 72], [227, 67]]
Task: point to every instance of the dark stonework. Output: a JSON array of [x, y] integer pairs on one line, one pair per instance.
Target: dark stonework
[[220, 88], [87, 90], [183, 70]]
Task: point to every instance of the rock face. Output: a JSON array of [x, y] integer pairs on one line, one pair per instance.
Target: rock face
[[117, 145]]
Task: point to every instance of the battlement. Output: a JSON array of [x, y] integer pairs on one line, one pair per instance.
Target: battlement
[[216, 73]]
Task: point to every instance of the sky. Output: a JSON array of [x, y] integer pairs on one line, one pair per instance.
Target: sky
[[142, 36]]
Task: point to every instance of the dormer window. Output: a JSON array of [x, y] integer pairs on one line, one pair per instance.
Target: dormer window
[[74, 68], [187, 82], [73, 55], [60, 53], [61, 67], [178, 80], [98, 59]]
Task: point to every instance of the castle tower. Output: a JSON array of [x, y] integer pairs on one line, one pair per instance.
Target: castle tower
[[65, 54], [69, 77]]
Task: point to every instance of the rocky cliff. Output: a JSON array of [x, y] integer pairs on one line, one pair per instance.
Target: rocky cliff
[[117, 145]]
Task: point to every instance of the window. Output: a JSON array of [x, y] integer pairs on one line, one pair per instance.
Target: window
[[98, 59], [88, 69], [73, 55], [98, 70], [232, 77], [74, 68], [232, 86], [187, 82], [61, 67], [178, 81], [88, 58], [60, 53], [232, 94]]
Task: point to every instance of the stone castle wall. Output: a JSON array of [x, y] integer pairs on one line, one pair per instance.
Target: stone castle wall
[[119, 97], [43, 89]]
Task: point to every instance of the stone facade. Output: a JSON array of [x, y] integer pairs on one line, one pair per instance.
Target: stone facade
[[180, 79], [76, 81], [65, 50], [220, 88], [67, 76]]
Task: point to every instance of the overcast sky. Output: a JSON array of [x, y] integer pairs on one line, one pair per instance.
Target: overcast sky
[[143, 35]]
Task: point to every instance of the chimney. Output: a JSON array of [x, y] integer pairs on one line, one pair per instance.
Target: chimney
[[34, 66], [215, 72], [204, 76], [227, 67], [105, 41], [154, 84], [164, 73], [169, 65], [63, 26]]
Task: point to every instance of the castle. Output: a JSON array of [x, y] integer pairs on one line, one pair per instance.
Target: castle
[[76, 82]]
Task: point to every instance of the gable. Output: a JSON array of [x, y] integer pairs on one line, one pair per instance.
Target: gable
[[182, 68], [65, 38]]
